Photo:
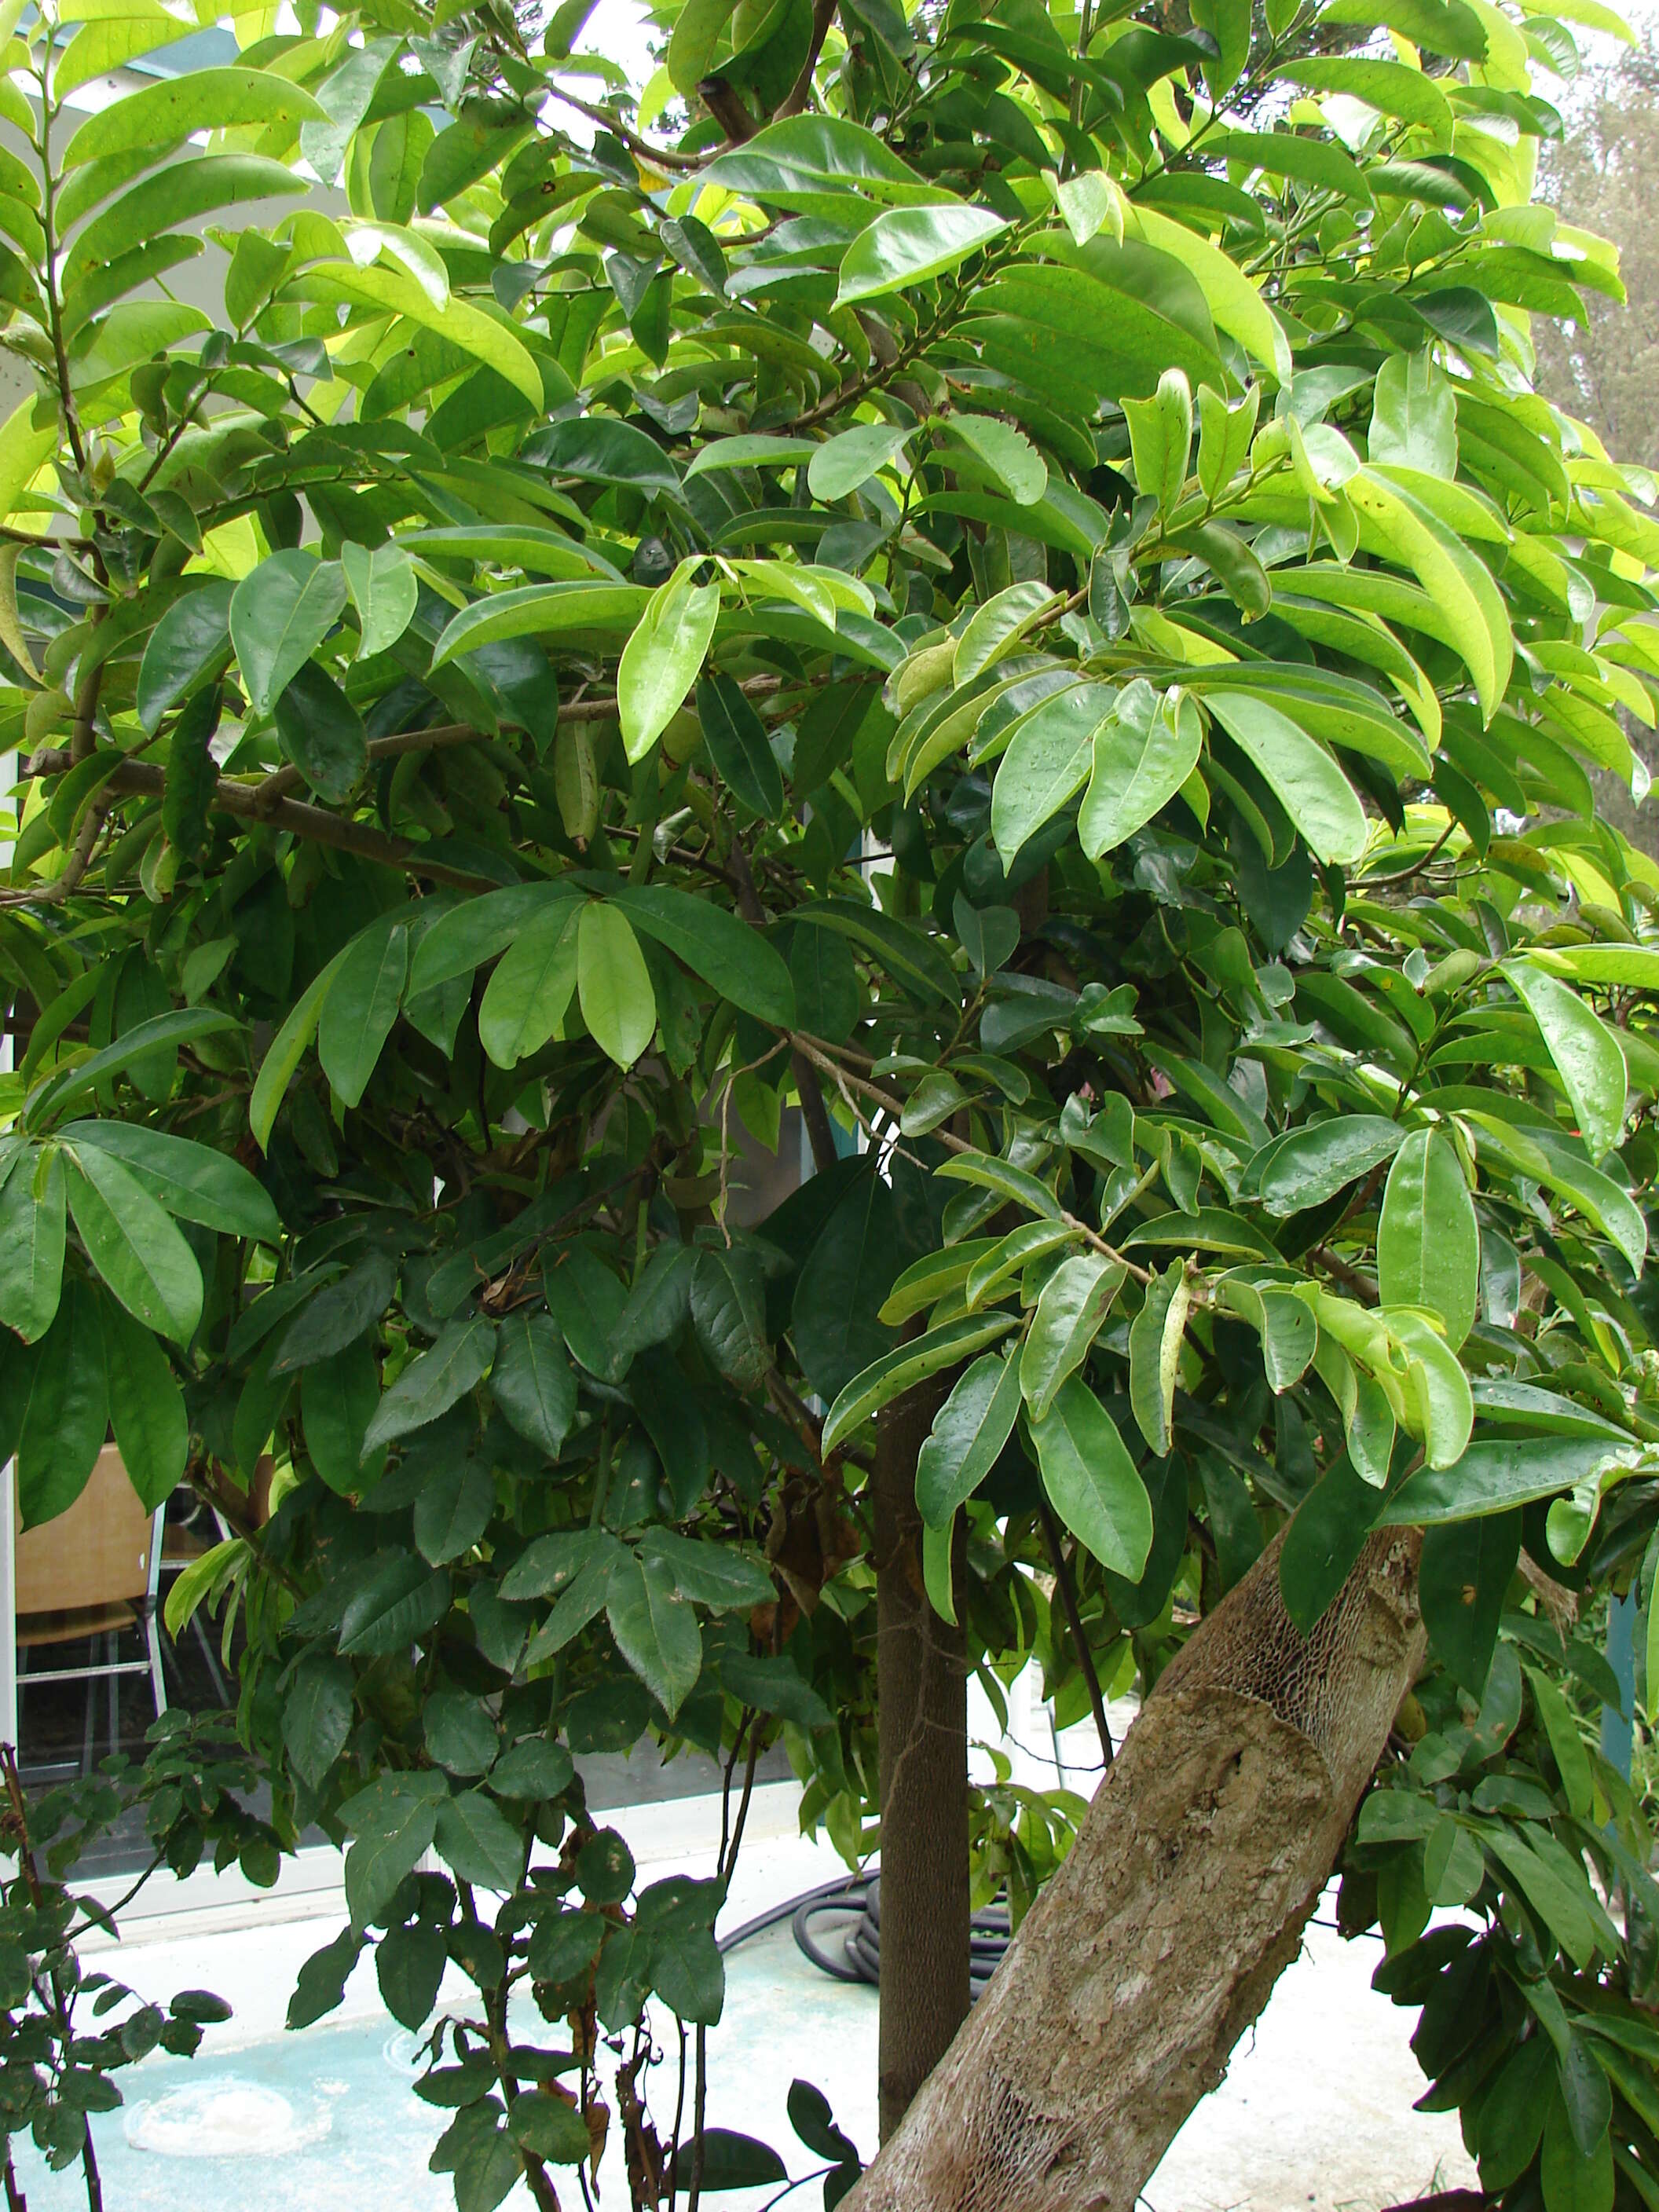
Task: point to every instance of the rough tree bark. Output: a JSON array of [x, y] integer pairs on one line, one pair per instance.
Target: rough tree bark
[[922, 1699], [1182, 1902]]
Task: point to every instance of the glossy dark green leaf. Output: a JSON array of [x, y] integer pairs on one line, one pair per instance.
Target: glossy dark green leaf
[[737, 743]]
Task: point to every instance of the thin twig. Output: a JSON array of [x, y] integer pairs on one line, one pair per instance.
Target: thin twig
[[1052, 1537]]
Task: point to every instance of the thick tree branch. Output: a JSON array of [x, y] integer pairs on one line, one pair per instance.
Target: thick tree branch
[[314, 823]]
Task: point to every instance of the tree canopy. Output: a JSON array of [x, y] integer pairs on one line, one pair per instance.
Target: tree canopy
[[998, 577]]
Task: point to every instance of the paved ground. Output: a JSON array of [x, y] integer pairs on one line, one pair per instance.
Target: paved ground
[[1316, 2113]]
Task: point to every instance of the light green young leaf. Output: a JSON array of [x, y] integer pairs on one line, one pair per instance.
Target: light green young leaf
[[1144, 752], [1047, 763], [614, 984], [384, 591], [1160, 435], [1007, 453], [1304, 779], [996, 628], [527, 999], [907, 244], [159, 116], [1587, 1053], [1155, 1336], [895, 1372], [1414, 416], [662, 659], [1428, 1242], [850, 458]]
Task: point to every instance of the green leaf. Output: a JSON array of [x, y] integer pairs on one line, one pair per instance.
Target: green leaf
[[1301, 775], [317, 1715], [31, 1236], [1566, 1743], [660, 661], [564, 610], [160, 115], [906, 245], [897, 1371], [396, 1604], [735, 2161], [968, 1435], [1310, 1165], [434, 1381], [613, 984], [133, 1245], [526, 1000], [322, 733], [185, 1025], [717, 1575], [1324, 1539], [409, 1966], [393, 1821], [280, 613], [1428, 1241], [288, 1049], [656, 1631], [452, 1514], [146, 1408], [835, 1313], [1462, 1582], [382, 587], [727, 953], [1388, 86], [360, 1007], [736, 738], [191, 1180], [531, 1380], [1049, 759], [1007, 453], [1587, 1053], [997, 626], [1465, 598], [1414, 416], [1144, 752], [188, 647], [844, 463], [61, 1417], [1155, 1338], [1070, 1314], [728, 1314], [338, 1395], [1091, 1481], [1494, 1475], [1160, 436], [476, 1840]]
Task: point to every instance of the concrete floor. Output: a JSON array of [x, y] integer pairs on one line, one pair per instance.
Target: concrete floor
[[1316, 2112]]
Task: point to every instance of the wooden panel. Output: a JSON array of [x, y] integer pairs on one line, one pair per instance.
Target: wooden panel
[[96, 1554]]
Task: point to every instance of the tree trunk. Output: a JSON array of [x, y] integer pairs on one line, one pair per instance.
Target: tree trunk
[[1182, 1900], [922, 1701]]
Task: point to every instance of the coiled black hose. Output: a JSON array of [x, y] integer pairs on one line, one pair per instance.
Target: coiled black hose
[[853, 1954]]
